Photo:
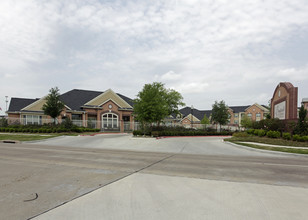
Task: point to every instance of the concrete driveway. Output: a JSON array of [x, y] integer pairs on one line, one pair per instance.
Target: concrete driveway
[[185, 145], [120, 177]]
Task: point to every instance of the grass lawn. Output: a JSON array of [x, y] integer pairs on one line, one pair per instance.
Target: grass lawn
[[272, 141], [266, 140], [281, 149], [27, 137]]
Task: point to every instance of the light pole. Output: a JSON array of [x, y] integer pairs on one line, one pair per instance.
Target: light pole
[[6, 101], [191, 114]]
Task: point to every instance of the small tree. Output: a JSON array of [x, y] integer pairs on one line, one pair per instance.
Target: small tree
[[205, 120], [246, 122], [302, 126], [53, 106], [220, 113]]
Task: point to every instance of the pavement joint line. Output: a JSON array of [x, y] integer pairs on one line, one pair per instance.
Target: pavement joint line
[[107, 184]]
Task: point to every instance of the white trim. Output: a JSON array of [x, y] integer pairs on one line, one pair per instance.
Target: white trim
[[117, 119], [33, 103], [188, 117], [67, 107], [104, 93], [108, 101]]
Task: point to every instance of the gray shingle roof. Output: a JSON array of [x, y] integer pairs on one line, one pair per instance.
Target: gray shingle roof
[[238, 109], [16, 104], [197, 113], [77, 98], [74, 99]]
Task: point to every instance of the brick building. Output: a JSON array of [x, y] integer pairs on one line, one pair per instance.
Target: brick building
[[107, 110]]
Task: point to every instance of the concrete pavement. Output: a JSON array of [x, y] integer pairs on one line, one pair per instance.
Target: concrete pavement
[[137, 182], [145, 196], [185, 145]]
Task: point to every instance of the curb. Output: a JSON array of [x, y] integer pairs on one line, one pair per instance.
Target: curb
[[266, 151]]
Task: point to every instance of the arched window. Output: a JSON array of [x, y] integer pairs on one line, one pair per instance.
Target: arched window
[[110, 120]]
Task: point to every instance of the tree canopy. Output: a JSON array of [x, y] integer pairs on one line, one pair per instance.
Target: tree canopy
[[154, 103], [220, 113], [246, 122], [53, 106]]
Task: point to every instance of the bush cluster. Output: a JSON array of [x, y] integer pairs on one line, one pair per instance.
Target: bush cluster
[[45, 129], [275, 134]]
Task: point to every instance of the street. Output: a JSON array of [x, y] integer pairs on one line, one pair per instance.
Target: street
[[121, 177]]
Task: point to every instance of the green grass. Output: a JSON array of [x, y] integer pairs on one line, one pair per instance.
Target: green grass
[[26, 137], [281, 149], [266, 140]]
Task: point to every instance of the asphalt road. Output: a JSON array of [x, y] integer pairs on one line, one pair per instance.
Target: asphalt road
[[101, 174]]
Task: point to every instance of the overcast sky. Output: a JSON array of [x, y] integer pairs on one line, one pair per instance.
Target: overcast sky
[[237, 51]]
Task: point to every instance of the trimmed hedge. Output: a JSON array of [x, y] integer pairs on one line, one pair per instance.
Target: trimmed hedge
[[180, 133], [26, 129]]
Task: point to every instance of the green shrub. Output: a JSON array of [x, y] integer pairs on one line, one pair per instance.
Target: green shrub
[[256, 132], [299, 138], [286, 136], [251, 131], [305, 138], [137, 133], [273, 134], [261, 133]]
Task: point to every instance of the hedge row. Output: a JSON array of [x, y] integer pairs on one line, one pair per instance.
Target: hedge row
[[179, 133], [47, 130], [277, 134]]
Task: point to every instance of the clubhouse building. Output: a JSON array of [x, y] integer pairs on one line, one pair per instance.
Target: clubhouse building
[[107, 110]]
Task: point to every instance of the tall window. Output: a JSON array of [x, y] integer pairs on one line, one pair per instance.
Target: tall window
[[77, 119], [110, 120]]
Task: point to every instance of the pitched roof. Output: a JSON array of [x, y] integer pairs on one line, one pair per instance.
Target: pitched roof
[[238, 109], [16, 104], [76, 98], [126, 99], [197, 113]]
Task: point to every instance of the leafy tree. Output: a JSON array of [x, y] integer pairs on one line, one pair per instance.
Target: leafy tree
[[220, 113], [205, 120], [246, 122], [302, 126], [53, 106], [154, 103]]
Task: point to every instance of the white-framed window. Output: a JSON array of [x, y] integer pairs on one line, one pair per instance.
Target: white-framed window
[[249, 115], [258, 115], [110, 120], [32, 119], [235, 115]]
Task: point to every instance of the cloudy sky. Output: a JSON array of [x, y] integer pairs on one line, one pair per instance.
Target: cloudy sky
[[237, 51]]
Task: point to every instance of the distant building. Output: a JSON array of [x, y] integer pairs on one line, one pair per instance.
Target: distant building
[[305, 104], [192, 117]]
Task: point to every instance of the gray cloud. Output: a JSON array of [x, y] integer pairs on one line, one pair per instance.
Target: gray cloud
[[208, 50]]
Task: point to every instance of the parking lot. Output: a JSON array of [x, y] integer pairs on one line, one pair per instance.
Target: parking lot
[[121, 177]]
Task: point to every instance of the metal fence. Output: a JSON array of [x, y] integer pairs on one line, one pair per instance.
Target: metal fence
[[126, 126]]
